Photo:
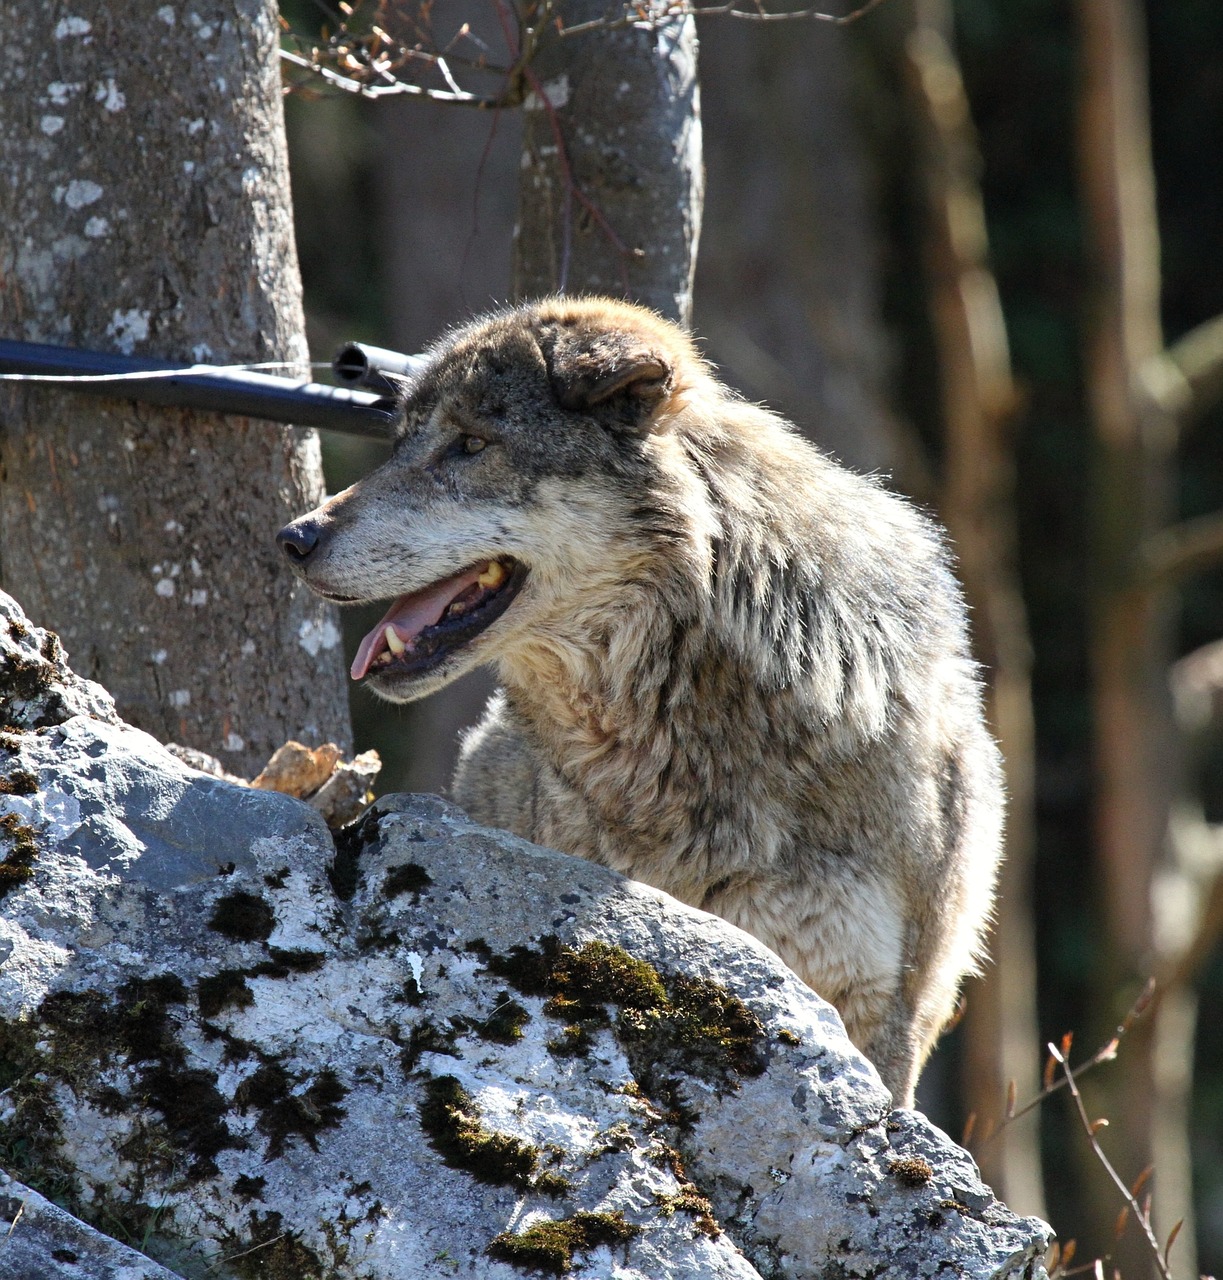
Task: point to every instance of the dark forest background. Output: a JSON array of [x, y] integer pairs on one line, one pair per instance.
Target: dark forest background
[[815, 293]]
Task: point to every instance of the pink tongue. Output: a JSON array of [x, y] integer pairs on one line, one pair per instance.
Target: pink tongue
[[410, 615]]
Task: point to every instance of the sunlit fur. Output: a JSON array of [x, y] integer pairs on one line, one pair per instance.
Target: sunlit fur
[[737, 671]]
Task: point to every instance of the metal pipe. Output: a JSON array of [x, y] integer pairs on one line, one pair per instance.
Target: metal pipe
[[364, 366], [238, 391]]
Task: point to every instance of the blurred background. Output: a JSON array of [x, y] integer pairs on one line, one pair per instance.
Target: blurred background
[[975, 249]]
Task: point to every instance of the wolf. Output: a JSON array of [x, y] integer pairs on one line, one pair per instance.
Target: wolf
[[728, 666]]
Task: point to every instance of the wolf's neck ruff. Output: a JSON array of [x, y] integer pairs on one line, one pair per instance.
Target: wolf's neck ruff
[[732, 669]]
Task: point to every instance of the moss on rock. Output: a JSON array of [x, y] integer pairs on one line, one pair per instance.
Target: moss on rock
[[407, 877], [666, 1026], [549, 1246], [272, 1253], [451, 1121], [244, 917], [285, 1110], [506, 1022], [18, 865]]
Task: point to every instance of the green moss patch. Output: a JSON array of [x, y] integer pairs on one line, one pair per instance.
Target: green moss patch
[[285, 1111], [344, 870], [228, 989], [427, 1037], [702, 1029], [21, 782], [137, 1023], [451, 1121], [31, 1135], [193, 1110], [25, 678], [296, 959], [666, 1026], [225, 990], [911, 1171], [18, 865], [549, 1246], [552, 1184], [272, 1253], [244, 917], [87, 1032], [138, 1026], [248, 1188], [408, 877], [504, 1025], [689, 1200]]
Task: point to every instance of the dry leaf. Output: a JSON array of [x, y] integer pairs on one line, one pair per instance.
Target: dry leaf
[[298, 770]]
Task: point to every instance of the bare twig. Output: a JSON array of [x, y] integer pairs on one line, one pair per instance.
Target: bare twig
[[16, 1218], [1180, 550], [1187, 379], [397, 87], [1091, 1128], [365, 57], [263, 1244], [1106, 1053], [660, 14]]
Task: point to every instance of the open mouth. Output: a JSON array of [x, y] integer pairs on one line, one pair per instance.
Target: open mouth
[[422, 627]]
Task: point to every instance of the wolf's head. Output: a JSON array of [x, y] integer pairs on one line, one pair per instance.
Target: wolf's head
[[527, 485]]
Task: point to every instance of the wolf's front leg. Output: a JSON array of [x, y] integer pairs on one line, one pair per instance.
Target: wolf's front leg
[[495, 780]]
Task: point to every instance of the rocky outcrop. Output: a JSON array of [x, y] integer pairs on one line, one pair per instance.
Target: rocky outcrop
[[44, 1242], [417, 1049]]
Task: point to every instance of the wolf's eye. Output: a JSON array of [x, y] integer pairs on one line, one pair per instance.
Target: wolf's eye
[[472, 444]]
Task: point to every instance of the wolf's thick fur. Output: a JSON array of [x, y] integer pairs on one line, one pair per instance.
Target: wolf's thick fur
[[735, 670]]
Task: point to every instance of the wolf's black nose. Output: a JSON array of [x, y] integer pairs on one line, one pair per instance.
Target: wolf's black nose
[[299, 540]]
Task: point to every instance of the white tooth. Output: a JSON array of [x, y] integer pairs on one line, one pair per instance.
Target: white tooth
[[394, 643], [493, 576]]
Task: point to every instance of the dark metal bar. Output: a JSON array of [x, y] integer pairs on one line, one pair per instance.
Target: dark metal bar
[[359, 364], [253, 395]]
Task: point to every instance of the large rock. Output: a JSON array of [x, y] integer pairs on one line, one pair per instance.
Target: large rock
[[41, 1241], [424, 1049]]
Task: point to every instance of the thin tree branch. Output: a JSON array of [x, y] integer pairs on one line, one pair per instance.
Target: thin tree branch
[[1106, 1053], [1186, 966], [691, 9], [396, 87], [1179, 551], [366, 59], [1140, 1214], [1186, 380]]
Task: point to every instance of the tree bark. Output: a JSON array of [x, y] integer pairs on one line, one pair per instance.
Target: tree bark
[[789, 281], [1145, 1099], [1002, 1048], [612, 181], [144, 207], [446, 227]]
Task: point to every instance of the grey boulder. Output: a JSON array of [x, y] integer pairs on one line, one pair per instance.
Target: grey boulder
[[419, 1049]]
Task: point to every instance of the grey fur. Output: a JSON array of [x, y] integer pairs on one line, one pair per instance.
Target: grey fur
[[736, 671]]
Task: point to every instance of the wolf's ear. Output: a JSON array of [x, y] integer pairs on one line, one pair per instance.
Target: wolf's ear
[[617, 375]]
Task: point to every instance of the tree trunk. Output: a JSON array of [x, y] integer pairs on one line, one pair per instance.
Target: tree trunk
[[445, 234], [612, 182], [1144, 1099], [789, 282], [1002, 1047], [144, 207]]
